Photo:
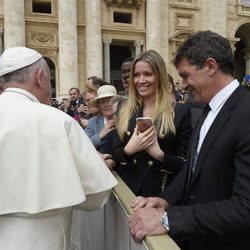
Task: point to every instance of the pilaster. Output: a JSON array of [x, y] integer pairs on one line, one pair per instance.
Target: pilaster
[[93, 38], [138, 46], [14, 23], [214, 16], [153, 23], [68, 49], [107, 42]]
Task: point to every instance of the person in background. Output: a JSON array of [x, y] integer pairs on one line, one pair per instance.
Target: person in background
[[48, 165], [99, 126], [95, 82], [117, 101], [171, 87], [207, 206], [67, 107], [87, 111], [75, 97], [148, 161], [125, 71], [77, 104], [106, 150], [90, 111]]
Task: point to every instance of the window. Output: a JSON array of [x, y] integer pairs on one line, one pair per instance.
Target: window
[[120, 17], [244, 7], [41, 7], [246, 2]]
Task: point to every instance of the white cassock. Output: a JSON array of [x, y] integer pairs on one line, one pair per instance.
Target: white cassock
[[47, 166]]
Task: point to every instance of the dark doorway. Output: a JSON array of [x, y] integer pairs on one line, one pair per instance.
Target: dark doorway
[[117, 54], [53, 76], [239, 58]]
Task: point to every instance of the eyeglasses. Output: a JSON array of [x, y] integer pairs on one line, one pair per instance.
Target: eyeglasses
[[87, 102]]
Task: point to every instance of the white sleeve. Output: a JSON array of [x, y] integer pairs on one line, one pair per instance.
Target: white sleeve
[[97, 180]]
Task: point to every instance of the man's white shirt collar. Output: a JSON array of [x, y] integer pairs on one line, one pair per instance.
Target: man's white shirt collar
[[220, 98]]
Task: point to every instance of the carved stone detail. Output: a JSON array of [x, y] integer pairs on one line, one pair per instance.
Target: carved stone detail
[[125, 3], [42, 37], [183, 36], [184, 21]]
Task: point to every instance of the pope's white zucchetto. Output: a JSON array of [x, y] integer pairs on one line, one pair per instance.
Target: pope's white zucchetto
[[16, 58]]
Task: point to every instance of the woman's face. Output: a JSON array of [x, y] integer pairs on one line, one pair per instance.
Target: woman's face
[[105, 106], [91, 109], [145, 79]]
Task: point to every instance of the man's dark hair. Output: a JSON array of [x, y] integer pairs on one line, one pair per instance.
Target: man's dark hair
[[129, 59], [203, 45], [98, 82], [78, 91]]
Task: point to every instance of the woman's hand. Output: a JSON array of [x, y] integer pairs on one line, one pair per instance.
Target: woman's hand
[[109, 126], [140, 141], [154, 150], [84, 122]]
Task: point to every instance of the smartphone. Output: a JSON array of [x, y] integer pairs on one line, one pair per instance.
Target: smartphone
[[143, 123]]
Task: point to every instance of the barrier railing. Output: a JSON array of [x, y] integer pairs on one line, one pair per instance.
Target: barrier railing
[[107, 228], [125, 197]]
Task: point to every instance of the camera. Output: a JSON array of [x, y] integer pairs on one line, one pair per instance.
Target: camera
[[73, 103]]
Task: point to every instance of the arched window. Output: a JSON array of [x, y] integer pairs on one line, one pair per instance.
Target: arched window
[[53, 75]]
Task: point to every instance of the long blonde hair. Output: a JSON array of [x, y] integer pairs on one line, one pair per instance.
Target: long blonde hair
[[163, 113]]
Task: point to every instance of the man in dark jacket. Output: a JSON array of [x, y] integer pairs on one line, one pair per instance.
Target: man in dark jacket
[[207, 206]]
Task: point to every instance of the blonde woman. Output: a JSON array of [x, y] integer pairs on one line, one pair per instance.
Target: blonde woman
[[148, 161]]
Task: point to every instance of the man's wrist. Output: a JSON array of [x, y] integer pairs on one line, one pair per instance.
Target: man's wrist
[[164, 221]]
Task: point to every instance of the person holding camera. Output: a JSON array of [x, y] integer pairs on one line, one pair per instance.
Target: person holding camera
[[77, 108], [148, 160], [75, 97]]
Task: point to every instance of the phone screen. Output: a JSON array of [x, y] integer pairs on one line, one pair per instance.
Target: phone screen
[[143, 123]]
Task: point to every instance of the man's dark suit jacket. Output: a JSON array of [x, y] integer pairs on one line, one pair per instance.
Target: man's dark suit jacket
[[213, 209]]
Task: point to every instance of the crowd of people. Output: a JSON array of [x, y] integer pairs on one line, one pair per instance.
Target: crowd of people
[[189, 168]]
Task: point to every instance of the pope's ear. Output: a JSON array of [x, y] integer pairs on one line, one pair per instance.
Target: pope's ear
[[39, 76]]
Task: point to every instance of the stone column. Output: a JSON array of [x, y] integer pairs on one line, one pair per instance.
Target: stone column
[[93, 38], [138, 44], [68, 59], [1, 40], [153, 25], [214, 16], [14, 23], [165, 33], [107, 42]]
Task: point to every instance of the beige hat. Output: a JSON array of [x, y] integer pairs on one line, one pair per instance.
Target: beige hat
[[104, 91], [16, 58]]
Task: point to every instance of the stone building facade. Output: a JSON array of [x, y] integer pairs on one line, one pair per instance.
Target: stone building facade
[[81, 38]]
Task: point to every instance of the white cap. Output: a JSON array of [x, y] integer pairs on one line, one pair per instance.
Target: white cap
[[16, 58]]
